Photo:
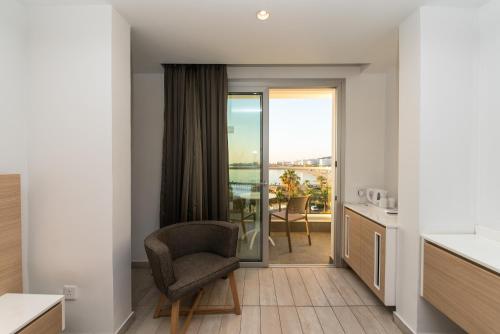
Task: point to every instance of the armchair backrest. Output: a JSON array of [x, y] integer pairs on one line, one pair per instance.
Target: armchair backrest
[[186, 238], [169, 243]]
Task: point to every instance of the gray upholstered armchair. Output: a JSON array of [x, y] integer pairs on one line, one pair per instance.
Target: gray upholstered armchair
[[185, 257]]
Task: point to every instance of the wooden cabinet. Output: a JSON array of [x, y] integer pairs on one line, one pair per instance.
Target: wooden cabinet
[[10, 234], [48, 323], [19, 312], [465, 292], [373, 257], [365, 252], [352, 237], [31, 313]]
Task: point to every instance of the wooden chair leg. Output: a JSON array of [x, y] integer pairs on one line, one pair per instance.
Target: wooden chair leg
[[307, 230], [234, 292], [174, 317], [175, 310], [189, 317], [288, 236], [159, 306]]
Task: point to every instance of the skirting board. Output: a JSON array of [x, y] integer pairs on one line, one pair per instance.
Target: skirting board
[[401, 324], [126, 324], [140, 264]]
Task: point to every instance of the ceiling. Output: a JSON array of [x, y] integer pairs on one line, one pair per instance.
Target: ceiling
[[298, 31]]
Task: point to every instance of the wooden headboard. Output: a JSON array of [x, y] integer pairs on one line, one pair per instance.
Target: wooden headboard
[[10, 234]]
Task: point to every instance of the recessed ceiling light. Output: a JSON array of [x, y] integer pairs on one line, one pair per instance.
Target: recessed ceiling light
[[262, 15]]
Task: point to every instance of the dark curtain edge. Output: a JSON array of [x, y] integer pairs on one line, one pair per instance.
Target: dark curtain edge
[[214, 111]]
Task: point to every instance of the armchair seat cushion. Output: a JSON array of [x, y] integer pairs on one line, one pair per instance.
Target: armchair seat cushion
[[196, 270]]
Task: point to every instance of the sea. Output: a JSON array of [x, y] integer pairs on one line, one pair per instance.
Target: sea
[[253, 175]]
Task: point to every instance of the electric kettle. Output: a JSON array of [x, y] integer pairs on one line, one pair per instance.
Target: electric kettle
[[375, 196]]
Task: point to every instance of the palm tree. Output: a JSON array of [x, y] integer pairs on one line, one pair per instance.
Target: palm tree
[[308, 187], [322, 181], [280, 197], [323, 191], [323, 196], [310, 190], [290, 180]]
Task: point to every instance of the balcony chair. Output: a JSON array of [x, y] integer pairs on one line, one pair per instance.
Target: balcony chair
[[238, 214], [184, 258], [296, 209]]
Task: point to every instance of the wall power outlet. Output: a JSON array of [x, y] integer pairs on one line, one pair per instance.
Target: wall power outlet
[[70, 292]]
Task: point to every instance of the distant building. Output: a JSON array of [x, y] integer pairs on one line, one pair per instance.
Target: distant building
[[325, 161], [314, 162], [311, 162], [284, 163]]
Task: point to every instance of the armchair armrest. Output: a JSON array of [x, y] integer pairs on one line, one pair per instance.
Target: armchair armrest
[[160, 261]]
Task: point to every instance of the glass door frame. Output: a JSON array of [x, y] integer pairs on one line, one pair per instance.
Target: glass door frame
[[339, 124], [235, 88]]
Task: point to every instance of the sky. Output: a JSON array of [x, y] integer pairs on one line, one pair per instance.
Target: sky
[[300, 127], [244, 128]]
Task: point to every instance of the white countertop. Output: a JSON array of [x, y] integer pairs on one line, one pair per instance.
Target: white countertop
[[374, 213], [476, 247], [18, 309]]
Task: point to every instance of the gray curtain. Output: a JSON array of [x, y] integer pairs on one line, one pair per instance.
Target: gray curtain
[[195, 176]]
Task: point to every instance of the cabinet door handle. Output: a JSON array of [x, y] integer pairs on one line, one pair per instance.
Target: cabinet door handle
[[347, 227], [377, 244]]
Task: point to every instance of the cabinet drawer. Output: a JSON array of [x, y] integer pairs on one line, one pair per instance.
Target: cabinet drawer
[[48, 323], [465, 292], [373, 257]]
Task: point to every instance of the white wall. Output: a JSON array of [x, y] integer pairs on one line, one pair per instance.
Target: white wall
[[489, 115], [365, 130], [409, 161], [13, 155], [391, 132], [447, 164], [121, 164], [372, 133], [448, 121], [365, 160], [438, 145], [78, 136], [147, 143]]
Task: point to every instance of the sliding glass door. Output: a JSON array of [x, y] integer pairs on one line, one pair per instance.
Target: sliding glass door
[[247, 188], [254, 187]]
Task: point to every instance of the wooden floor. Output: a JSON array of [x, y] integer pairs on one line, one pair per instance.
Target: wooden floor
[[276, 300], [316, 253]]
